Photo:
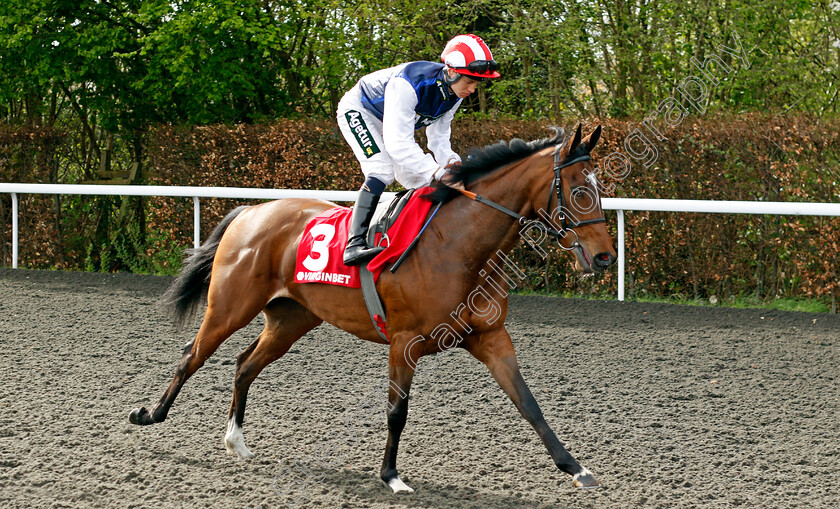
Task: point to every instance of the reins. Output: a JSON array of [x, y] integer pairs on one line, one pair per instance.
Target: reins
[[557, 184]]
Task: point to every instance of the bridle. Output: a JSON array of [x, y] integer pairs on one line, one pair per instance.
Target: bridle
[[558, 184], [546, 226]]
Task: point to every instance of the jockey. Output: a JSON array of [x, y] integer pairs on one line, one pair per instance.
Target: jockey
[[379, 115]]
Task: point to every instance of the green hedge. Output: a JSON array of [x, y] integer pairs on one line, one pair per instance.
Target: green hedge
[[745, 157]]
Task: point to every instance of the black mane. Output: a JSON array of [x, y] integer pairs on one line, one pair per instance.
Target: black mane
[[482, 161]]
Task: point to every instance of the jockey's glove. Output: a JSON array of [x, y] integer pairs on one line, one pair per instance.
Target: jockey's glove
[[445, 177]]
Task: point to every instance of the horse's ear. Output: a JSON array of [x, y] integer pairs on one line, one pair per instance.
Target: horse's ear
[[575, 141], [591, 140]]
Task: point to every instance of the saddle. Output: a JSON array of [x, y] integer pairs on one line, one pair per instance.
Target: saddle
[[384, 218]]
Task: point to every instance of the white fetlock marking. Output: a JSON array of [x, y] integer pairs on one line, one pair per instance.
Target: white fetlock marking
[[397, 485], [583, 472], [235, 441]]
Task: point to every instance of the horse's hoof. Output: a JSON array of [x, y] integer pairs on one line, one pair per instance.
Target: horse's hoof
[[398, 486], [235, 441], [140, 416], [241, 454], [585, 479]]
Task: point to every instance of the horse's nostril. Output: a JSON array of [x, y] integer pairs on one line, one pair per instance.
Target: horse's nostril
[[604, 259]]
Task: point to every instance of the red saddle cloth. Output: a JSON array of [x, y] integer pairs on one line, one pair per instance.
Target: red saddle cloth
[[319, 255]]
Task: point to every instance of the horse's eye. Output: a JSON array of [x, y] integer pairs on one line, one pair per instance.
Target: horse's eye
[[579, 192]]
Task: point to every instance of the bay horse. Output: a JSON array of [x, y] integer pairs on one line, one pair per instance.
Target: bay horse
[[441, 292]]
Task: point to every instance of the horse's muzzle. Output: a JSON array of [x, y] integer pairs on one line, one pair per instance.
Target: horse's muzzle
[[601, 261]]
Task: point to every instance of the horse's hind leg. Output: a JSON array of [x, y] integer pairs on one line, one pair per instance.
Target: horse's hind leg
[[228, 312], [285, 322]]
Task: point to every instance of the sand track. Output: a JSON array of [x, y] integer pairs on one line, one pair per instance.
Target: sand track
[[670, 407]]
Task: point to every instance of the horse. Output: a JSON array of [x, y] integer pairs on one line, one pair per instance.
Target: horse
[[442, 291]]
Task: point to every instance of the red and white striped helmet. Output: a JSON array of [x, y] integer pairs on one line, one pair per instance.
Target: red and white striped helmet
[[468, 55]]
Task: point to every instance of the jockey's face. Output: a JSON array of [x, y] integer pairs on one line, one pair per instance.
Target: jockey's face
[[464, 86]]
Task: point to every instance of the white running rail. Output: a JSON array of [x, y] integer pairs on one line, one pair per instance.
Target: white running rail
[[618, 204]]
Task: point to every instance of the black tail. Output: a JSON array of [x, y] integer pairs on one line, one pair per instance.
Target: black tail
[[189, 289]]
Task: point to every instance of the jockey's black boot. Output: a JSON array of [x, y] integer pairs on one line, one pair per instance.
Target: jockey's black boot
[[357, 251]]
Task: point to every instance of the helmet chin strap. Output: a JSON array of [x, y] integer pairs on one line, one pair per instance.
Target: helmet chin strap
[[448, 79]]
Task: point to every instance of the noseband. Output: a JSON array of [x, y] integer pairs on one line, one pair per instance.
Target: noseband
[[566, 226]]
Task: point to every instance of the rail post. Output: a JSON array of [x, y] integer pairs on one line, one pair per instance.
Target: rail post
[[196, 223], [620, 255], [14, 230]]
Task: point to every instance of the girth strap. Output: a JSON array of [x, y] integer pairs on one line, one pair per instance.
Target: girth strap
[[372, 302]]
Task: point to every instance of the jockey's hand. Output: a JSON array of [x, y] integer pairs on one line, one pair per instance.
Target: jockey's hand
[[448, 179]]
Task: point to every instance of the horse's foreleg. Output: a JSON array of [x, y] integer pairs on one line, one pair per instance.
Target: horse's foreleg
[[496, 351], [400, 377], [286, 321]]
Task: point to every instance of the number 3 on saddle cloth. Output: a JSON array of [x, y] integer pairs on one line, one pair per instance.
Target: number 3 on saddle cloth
[[319, 255]]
